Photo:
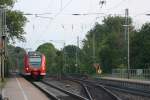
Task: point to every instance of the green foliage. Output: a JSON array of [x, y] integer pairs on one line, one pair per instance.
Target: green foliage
[[109, 42], [59, 60], [50, 52], [7, 2], [16, 56], [111, 45], [15, 21], [15, 24], [140, 47], [11, 52], [73, 58]]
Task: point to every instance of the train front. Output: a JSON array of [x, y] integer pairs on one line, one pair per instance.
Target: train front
[[35, 65]]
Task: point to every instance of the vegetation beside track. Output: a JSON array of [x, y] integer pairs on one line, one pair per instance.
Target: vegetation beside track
[[110, 49], [108, 40]]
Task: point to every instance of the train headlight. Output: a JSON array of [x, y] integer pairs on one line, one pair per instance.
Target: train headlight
[[27, 68], [43, 68]]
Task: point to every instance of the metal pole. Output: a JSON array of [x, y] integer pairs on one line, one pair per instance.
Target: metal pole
[[128, 36], [77, 63], [64, 52], [3, 42], [128, 49], [0, 44], [93, 48], [61, 4], [0, 65], [3, 39], [78, 53]]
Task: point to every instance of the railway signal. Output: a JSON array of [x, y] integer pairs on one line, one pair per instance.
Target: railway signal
[[98, 68]]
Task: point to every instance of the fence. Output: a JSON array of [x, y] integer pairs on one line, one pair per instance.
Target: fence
[[142, 74]]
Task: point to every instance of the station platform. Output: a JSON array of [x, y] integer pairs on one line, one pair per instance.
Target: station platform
[[128, 80], [17, 88]]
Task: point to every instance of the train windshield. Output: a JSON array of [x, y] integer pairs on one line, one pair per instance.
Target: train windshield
[[35, 61]]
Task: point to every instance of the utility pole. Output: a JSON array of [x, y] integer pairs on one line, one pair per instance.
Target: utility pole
[[64, 56], [61, 4], [93, 48], [2, 42], [63, 63], [128, 38], [77, 63], [78, 40]]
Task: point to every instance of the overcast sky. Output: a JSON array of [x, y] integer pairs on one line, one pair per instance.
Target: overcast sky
[[58, 24]]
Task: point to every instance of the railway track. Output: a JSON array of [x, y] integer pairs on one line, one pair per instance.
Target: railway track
[[98, 92], [95, 91], [91, 89], [138, 92], [134, 91], [54, 92], [57, 93]]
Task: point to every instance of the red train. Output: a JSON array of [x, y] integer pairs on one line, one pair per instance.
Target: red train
[[35, 65]]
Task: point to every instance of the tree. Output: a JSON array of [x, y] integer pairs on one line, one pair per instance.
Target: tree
[[109, 42], [73, 56], [15, 24], [50, 52], [15, 21], [140, 47], [59, 63], [16, 56], [7, 2]]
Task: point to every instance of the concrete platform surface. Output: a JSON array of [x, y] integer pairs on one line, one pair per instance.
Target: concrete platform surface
[[17, 88], [128, 80]]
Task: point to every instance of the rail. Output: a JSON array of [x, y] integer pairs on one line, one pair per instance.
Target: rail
[[66, 92], [86, 84], [127, 86]]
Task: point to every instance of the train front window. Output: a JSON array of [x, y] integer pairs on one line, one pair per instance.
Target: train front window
[[35, 62]]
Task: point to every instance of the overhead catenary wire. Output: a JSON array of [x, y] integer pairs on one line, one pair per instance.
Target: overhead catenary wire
[[116, 6], [63, 8], [70, 14], [147, 13], [44, 15], [58, 13]]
